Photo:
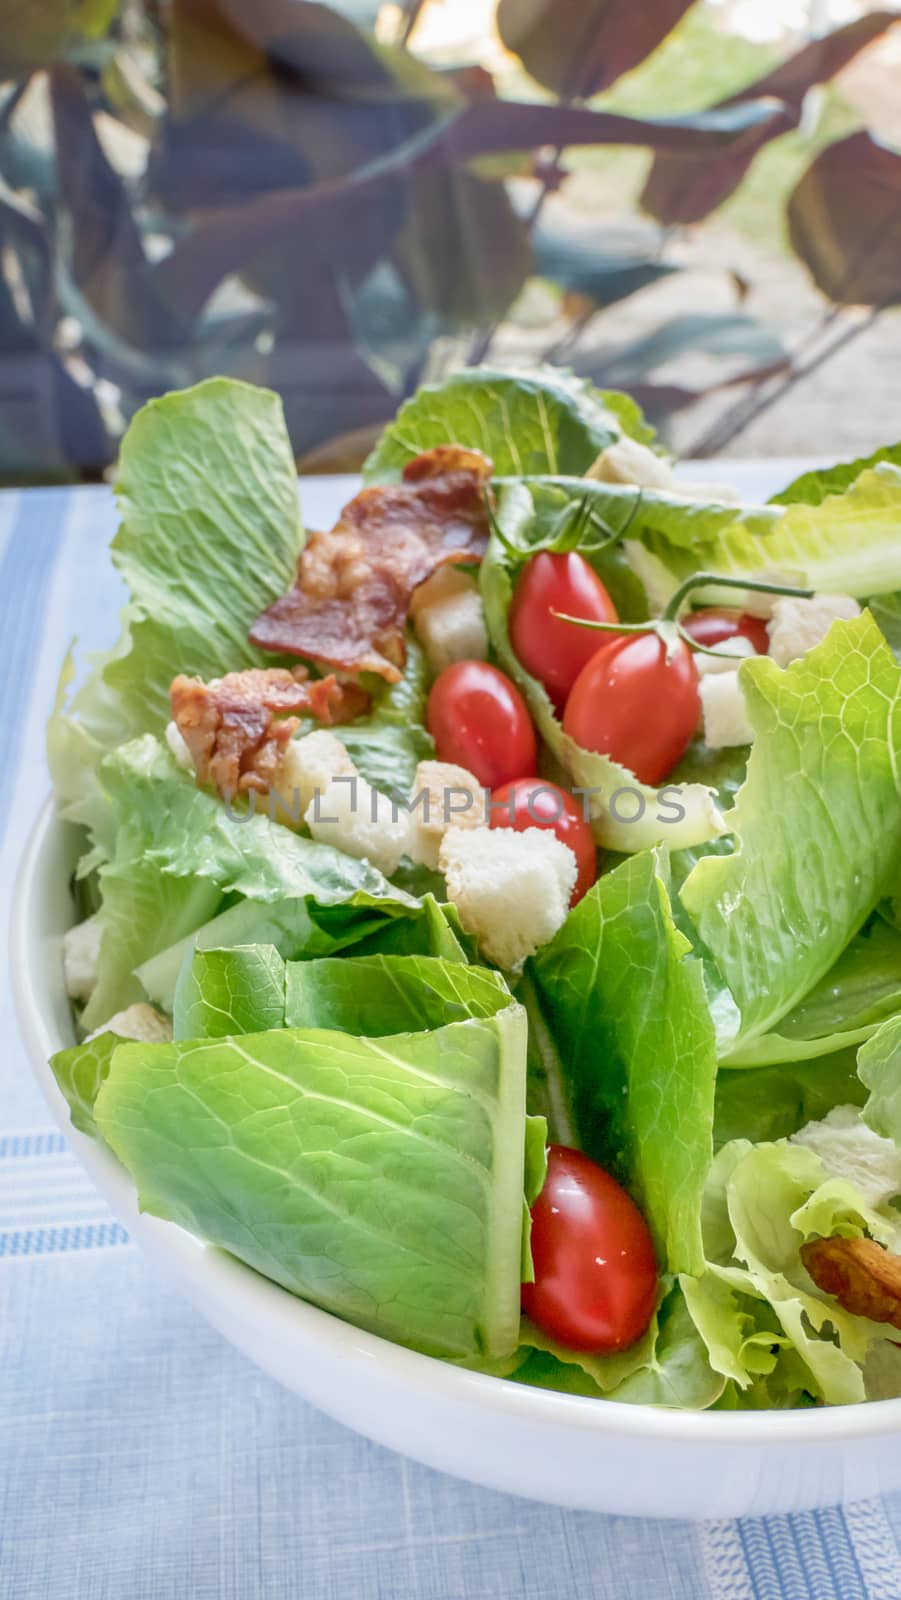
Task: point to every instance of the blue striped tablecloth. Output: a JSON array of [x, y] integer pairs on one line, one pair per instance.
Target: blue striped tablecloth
[[141, 1458]]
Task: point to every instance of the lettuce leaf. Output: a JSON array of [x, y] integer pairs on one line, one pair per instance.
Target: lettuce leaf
[[235, 991], [879, 1067], [845, 544], [817, 822], [544, 421], [142, 907], [627, 1006], [79, 1072], [812, 488], [767, 1103], [843, 1008], [762, 1202], [667, 1367], [188, 832], [384, 994], [627, 816], [382, 1179], [210, 535]]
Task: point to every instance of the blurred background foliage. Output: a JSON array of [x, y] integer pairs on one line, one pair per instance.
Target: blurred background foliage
[[343, 201]]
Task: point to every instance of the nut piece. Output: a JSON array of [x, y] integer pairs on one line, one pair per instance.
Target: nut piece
[[862, 1276]]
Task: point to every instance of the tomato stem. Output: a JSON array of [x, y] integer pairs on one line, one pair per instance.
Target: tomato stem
[[705, 580], [665, 625]]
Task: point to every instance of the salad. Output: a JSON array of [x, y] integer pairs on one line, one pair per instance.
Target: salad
[[490, 908]]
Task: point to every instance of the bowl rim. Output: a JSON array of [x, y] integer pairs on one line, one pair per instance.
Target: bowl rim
[[224, 1276]]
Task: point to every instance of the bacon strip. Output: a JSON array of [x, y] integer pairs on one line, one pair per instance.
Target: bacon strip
[[862, 1276], [352, 593], [237, 727]]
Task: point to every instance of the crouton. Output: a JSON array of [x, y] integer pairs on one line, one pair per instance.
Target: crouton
[[797, 625], [361, 821], [443, 796], [308, 765], [81, 952], [627, 461], [139, 1021], [512, 890], [725, 713], [448, 618], [849, 1149], [728, 652]]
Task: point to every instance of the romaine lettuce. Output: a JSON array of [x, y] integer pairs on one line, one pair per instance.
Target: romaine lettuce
[[382, 1179], [817, 822], [627, 1004]]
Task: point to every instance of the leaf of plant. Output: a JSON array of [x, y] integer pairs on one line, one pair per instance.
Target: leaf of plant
[[585, 270], [577, 48], [463, 249], [682, 190], [627, 1005], [818, 823], [386, 994], [774, 1102], [879, 1066], [812, 488], [107, 253], [541, 421], [241, 990], [382, 1180], [844, 221], [226, 241], [34, 35]]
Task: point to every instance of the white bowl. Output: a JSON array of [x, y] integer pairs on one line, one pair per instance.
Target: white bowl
[[592, 1454]]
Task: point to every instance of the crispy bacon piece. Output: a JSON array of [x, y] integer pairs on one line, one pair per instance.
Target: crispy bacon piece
[[237, 727], [352, 593], [862, 1276]]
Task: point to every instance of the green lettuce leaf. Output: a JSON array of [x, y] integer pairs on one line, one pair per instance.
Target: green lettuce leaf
[[762, 1202], [818, 823], [879, 1067], [667, 1367], [210, 536], [627, 816], [188, 832], [846, 544], [812, 488], [540, 421], [628, 1009], [79, 1072], [385, 994], [767, 1103], [843, 1008], [235, 991], [142, 909], [382, 1180]]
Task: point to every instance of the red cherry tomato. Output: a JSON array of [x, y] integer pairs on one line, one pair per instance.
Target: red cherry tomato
[[712, 626], [555, 652], [534, 803], [595, 1270], [634, 705], [479, 720]]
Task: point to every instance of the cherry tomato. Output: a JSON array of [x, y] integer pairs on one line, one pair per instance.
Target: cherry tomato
[[534, 803], [634, 705], [479, 720], [555, 652], [595, 1270], [712, 626]]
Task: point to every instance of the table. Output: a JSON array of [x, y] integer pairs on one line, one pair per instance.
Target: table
[[141, 1458]]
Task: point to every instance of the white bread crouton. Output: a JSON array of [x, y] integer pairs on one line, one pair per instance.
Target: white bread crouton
[[438, 802], [81, 952], [309, 764], [512, 890], [849, 1149], [725, 713], [797, 625], [448, 618], [728, 652], [627, 461], [179, 748], [359, 820], [139, 1021]]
